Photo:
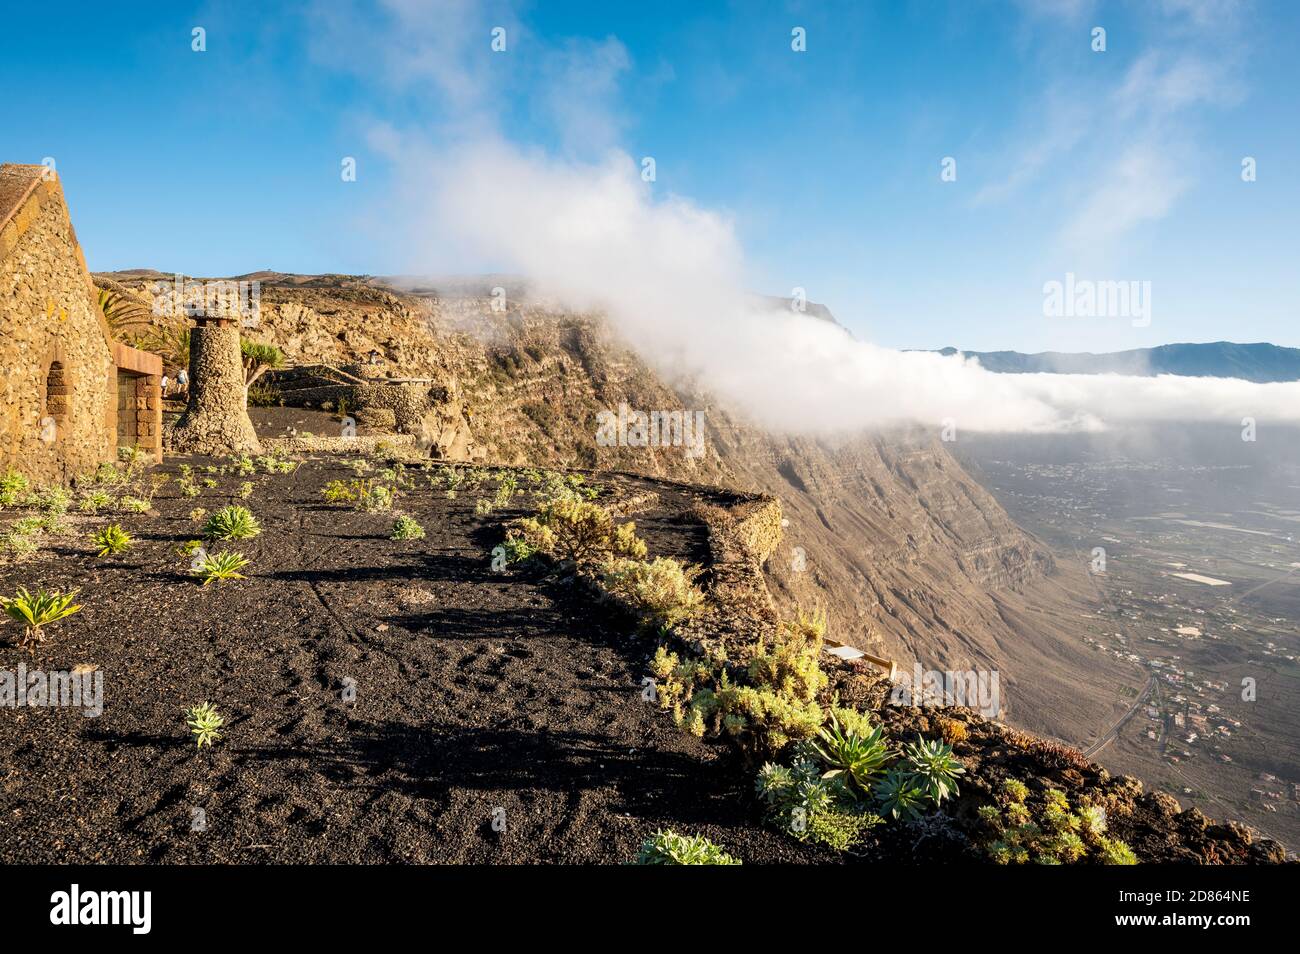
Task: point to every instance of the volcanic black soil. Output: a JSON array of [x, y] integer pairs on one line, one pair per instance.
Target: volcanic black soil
[[479, 697]]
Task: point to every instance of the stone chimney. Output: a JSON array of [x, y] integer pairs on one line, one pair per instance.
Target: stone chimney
[[215, 421]]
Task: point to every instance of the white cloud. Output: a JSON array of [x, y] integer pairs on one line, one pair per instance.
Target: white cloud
[[1140, 186], [1119, 156], [668, 273]]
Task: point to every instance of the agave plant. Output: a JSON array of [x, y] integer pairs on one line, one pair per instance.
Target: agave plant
[[934, 767], [221, 566], [232, 523], [38, 610], [111, 540], [900, 795], [861, 757], [205, 722]]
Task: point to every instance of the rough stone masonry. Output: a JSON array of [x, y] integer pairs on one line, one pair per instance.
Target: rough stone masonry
[[215, 420], [64, 375]]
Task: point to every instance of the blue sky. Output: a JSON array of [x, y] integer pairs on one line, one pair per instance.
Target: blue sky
[[1115, 165]]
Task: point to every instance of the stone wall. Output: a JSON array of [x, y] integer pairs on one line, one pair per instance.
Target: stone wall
[[58, 401]]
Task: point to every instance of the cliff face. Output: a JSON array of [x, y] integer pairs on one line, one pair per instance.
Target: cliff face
[[912, 559]]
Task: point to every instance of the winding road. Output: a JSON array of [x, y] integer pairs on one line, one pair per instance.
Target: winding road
[[1107, 736]]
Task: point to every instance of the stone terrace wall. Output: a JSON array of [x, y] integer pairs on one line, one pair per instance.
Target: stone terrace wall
[[48, 314]]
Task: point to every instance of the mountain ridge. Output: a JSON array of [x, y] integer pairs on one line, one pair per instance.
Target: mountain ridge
[[1260, 362]]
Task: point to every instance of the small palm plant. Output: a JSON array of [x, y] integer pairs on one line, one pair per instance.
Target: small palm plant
[[111, 540], [38, 610], [232, 523], [205, 722], [221, 566]]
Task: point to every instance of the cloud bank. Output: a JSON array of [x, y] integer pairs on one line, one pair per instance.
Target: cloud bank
[[668, 274], [591, 234]]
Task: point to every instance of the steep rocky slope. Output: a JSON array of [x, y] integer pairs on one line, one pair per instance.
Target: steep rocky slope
[[913, 560]]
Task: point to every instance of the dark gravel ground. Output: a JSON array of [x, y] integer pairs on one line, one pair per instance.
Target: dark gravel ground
[[478, 696]]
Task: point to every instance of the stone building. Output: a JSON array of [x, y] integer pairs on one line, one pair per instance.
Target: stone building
[[71, 395]]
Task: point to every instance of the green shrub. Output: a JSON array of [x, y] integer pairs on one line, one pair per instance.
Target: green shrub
[[1015, 790], [813, 807], [37, 610], [274, 464], [225, 565], [13, 487], [232, 523], [339, 491], [449, 478], [363, 493], [556, 487], [204, 722], [375, 497], [676, 681], [1049, 831], [95, 501], [131, 504], [662, 591], [669, 848], [579, 533], [1112, 851], [775, 705], [407, 528], [28, 525], [54, 500], [792, 661], [263, 395], [111, 540], [761, 720], [17, 544], [517, 550], [107, 473], [507, 487]]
